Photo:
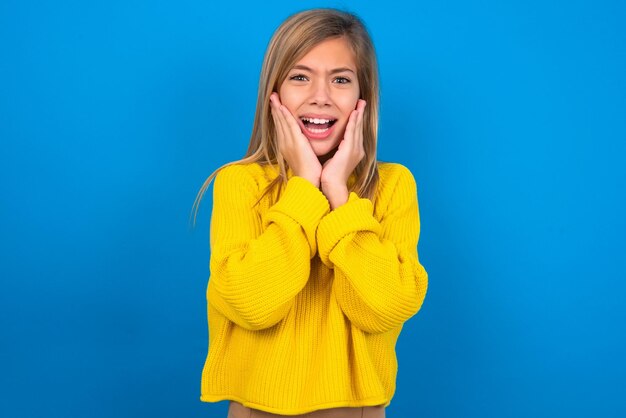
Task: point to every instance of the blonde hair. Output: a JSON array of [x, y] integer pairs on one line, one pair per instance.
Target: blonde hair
[[293, 39]]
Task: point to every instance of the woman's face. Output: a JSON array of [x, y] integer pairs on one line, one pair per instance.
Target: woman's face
[[320, 91]]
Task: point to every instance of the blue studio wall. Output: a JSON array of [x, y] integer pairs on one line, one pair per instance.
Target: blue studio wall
[[510, 114]]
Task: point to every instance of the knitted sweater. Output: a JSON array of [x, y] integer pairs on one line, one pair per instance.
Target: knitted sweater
[[305, 304]]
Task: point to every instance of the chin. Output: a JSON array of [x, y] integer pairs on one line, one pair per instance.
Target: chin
[[322, 151], [323, 147]]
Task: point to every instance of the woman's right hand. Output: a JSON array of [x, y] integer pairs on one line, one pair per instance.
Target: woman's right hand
[[293, 145]]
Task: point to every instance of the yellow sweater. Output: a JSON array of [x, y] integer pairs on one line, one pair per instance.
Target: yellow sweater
[[305, 304]]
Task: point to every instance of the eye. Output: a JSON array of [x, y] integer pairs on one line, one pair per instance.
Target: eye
[[298, 77], [342, 80]]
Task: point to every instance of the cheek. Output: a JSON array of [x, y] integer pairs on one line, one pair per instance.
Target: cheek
[[349, 102], [348, 105], [289, 98]]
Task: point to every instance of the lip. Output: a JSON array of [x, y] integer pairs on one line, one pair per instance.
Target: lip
[[314, 135], [318, 116]]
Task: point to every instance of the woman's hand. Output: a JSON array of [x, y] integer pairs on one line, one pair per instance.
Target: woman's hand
[[293, 145], [337, 170]]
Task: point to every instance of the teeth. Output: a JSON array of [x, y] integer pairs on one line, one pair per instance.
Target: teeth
[[316, 120]]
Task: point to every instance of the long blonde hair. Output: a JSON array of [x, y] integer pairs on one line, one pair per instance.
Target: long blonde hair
[[293, 39]]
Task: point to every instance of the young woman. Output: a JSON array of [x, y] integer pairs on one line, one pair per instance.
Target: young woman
[[314, 265]]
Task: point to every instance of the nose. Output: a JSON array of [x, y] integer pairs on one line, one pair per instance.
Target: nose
[[320, 93]]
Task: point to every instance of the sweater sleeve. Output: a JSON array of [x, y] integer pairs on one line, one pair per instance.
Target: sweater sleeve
[[257, 265], [379, 281]]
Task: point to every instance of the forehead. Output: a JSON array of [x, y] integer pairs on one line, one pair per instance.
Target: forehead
[[331, 53]]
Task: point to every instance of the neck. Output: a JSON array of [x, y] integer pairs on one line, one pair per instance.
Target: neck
[[328, 156]]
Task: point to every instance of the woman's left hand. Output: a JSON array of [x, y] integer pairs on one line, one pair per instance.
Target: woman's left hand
[[337, 170]]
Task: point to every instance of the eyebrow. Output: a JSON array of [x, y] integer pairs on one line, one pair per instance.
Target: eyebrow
[[333, 71]]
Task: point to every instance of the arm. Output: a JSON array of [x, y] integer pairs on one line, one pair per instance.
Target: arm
[[379, 281], [258, 266]]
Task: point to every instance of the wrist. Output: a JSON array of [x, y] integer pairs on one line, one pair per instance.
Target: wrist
[[337, 194], [333, 185]]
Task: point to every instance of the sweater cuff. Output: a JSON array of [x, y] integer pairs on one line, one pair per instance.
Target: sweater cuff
[[353, 216], [303, 203]]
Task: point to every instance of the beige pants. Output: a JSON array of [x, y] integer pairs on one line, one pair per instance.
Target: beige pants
[[237, 410]]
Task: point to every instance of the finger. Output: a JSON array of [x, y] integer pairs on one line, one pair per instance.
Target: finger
[[275, 98], [283, 116], [291, 123], [361, 108], [275, 113], [359, 122], [278, 122], [350, 128]]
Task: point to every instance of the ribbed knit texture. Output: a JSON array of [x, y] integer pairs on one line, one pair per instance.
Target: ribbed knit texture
[[305, 304]]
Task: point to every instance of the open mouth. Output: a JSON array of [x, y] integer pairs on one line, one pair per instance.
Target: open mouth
[[317, 126]]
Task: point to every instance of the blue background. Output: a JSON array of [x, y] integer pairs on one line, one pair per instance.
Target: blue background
[[511, 115]]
